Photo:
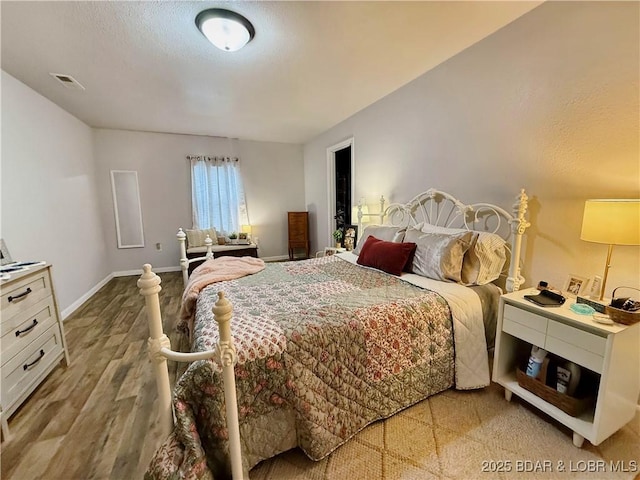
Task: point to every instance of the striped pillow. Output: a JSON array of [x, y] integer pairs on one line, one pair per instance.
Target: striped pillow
[[484, 261]]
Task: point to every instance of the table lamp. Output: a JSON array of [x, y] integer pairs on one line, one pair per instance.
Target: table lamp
[[246, 229], [612, 222]]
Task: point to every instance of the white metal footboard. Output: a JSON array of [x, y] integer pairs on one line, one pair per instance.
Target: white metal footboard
[[160, 351]]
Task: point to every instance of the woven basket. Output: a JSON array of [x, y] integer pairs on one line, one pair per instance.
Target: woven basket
[[570, 405], [622, 316]]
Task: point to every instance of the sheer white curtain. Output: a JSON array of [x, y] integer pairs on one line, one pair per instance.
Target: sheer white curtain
[[217, 195]]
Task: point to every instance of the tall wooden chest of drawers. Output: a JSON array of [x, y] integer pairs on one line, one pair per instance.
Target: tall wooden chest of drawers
[[32, 336], [298, 233]]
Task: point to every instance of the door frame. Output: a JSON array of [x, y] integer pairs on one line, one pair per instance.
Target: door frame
[[331, 181]]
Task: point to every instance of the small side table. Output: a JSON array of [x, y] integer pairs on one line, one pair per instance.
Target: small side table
[[611, 352], [328, 251]]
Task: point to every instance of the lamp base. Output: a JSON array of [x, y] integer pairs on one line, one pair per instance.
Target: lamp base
[[597, 305]]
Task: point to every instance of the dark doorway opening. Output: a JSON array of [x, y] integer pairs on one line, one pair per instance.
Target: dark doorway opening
[[343, 187]]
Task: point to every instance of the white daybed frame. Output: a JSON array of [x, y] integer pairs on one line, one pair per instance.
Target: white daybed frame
[[433, 206]]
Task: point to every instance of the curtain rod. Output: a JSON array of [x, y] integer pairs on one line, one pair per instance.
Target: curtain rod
[[225, 158]]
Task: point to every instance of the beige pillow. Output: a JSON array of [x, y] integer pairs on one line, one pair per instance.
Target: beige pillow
[[387, 233], [439, 255], [484, 261], [196, 238]]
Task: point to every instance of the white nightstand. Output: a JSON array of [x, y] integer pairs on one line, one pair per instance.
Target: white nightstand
[[612, 352]]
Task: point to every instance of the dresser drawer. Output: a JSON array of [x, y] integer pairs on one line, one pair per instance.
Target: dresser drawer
[[24, 293], [524, 332], [579, 338], [299, 221], [24, 327], [581, 347], [575, 354], [25, 369], [528, 319]]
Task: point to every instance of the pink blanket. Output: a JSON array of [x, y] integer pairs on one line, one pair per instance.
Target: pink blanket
[[212, 271]]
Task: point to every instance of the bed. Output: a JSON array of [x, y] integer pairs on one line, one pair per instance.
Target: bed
[[319, 349]]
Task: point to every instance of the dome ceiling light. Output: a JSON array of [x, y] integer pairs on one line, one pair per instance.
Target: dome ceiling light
[[227, 30]]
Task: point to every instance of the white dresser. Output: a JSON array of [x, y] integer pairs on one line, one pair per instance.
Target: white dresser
[[32, 341], [612, 353]]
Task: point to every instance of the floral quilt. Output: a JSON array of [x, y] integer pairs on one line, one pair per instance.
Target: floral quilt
[[325, 347]]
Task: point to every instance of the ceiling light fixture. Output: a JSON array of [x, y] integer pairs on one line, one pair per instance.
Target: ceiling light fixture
[[227, 30]]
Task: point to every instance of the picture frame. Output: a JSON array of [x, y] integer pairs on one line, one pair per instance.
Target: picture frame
[[350, 238], [328, 251], [5, 256], [243, 236], [575, 285]]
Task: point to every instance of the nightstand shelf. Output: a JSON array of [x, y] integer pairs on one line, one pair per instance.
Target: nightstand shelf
[[609, 352]]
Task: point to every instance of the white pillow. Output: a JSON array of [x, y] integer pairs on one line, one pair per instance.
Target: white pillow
[[439, 255], [387, 233], [484, 261], [196, 238]]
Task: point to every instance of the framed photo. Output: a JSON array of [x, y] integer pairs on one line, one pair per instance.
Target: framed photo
[[242, 236], [575, 285], [5, 257], [350, 237], [328, 251]]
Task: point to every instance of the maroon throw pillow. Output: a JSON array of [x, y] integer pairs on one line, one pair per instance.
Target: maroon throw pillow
[[390, 257]]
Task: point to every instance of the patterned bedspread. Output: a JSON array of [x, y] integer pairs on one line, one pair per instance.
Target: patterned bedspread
[[325, 348]]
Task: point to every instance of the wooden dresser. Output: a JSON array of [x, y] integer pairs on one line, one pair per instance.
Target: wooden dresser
[[298, 233], [32, 342]]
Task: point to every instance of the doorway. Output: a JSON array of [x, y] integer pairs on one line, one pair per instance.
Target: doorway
[[340, 162]]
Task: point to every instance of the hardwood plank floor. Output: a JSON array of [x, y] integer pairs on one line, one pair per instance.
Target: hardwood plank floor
[[95, 419]]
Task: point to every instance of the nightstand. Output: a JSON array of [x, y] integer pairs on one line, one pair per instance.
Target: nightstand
[[330, 251], [612, 353]]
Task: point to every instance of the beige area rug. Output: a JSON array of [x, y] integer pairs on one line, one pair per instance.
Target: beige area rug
[[465, 435]]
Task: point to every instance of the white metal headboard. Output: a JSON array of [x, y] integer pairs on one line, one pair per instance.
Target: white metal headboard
[[443, 209]]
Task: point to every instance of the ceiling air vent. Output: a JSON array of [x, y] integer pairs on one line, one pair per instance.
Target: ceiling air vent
[[68, 81]]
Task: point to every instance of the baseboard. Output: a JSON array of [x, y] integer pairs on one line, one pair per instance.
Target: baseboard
[[128, 273], [78, 303]]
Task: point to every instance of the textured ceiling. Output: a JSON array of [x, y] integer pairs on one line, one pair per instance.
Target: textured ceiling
[[146, 67]]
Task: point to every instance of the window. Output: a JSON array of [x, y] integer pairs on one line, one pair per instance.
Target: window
[[217, 195]]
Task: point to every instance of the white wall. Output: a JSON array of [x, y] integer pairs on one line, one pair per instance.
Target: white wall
[[549, 103], [273, 179], [49, 203]]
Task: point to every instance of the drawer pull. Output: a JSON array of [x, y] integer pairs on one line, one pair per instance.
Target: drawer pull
[[26, 366], [20, 332], [23, 294]]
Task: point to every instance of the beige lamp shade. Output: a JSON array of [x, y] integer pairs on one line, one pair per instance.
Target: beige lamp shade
[[245, 229], [613, 222]]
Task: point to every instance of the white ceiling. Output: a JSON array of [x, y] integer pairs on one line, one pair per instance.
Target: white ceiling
[[146, 67]]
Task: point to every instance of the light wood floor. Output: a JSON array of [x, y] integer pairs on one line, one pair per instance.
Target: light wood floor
[[95, 418]]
